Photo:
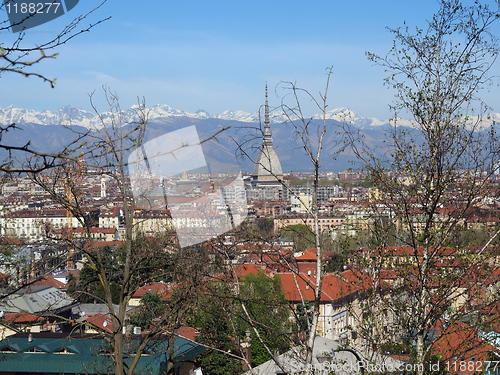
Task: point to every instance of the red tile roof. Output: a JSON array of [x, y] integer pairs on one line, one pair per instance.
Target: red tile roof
[[159, 288], [187, 332], [460, 342], [21, 318], [50, 281], [103, 243], [242, 270], [332, 288], [101, 321], [10, 241], [307, 255]]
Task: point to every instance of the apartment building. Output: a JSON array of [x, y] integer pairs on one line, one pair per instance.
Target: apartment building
[[31, 225]]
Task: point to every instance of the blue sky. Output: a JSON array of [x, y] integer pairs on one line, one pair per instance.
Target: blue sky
[[218, 55]]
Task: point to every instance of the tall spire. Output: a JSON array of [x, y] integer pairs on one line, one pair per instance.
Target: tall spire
[[267, 169], [267, 136]]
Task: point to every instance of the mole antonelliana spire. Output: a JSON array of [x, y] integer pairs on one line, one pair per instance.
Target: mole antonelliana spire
[[267, 136], [267, 170]]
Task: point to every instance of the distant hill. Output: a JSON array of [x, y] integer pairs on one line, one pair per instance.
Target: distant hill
[[230, 145]]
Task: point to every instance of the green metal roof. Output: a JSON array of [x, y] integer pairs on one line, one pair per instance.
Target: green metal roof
[[84, 354]]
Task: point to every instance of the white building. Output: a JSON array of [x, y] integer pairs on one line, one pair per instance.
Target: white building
[[32, 225]]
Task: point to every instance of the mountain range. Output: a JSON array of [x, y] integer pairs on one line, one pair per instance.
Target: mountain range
[[69, 115], [237, 145]]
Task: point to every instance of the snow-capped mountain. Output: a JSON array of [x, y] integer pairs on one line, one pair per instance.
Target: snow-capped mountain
[[66, 115], [69, 115], [42, 131], [346, 115]]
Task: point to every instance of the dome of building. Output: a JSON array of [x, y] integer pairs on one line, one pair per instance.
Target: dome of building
[[268, 166]]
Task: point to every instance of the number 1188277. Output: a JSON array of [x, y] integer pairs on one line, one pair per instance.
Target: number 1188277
[[472, 366], [31, 8]]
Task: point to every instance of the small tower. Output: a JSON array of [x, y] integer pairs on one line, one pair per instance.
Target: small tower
[[103, 186]]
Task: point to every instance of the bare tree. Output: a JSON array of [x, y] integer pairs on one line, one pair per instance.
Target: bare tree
[[431, 177], [317, 137], [104, 150], [143, 257], [21, 57], [311, 134]]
